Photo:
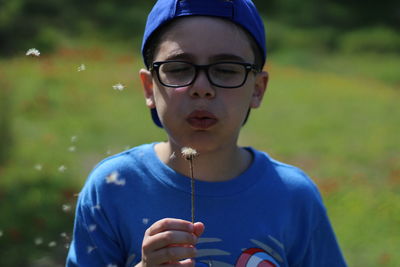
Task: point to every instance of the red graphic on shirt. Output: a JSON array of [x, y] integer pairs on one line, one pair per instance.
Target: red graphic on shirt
[[255, 257]]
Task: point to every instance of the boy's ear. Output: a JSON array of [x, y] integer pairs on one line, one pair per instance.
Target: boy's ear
[[147, 83], [259, 89]]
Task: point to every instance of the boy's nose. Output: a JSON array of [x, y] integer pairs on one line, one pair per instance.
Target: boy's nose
[[201, 87]]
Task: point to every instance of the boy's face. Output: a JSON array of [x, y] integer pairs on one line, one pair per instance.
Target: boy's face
[[202, 115]]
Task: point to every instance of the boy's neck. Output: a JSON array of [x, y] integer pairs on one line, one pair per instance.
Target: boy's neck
[[213, 166]]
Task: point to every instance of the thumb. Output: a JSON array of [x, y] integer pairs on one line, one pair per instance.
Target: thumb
[[198, 228]]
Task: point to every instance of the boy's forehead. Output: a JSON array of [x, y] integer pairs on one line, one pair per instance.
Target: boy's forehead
[[204, 36]]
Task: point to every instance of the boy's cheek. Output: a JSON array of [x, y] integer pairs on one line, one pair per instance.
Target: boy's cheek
[[180, 90]]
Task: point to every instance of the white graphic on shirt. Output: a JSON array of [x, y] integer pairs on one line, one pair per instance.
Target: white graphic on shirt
[[268, 249], [262, 255]]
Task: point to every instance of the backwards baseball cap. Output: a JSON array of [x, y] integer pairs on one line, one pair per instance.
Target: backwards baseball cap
[[241, 12]]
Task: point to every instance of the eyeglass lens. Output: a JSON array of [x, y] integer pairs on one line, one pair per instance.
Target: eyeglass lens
[[219, 74]]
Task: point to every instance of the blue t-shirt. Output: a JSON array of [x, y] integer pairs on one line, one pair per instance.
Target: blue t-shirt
[[270, 215]]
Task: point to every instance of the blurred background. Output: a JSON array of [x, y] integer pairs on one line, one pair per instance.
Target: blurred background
[[331, 109]]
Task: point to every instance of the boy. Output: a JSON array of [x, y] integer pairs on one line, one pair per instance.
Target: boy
[[204, 73]]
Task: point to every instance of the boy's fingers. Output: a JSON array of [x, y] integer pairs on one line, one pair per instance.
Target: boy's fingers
[[172, 255], [198, 228], [170, 224], [168, 238], [183, 263]]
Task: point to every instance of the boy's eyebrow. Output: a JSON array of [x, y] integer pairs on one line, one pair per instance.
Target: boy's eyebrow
[[179, 56], [214, 58], [222, 57]]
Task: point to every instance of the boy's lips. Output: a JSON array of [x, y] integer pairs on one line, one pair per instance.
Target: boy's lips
[[201, 119]]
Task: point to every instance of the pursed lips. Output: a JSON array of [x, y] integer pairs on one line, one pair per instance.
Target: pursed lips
[[201, 119]]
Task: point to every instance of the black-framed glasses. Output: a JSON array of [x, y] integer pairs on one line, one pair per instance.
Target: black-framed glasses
[[176, 73]]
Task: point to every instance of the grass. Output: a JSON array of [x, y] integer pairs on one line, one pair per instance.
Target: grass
[[334, 116]]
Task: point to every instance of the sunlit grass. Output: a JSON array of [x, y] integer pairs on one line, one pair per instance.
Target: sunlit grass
[[340, 127]]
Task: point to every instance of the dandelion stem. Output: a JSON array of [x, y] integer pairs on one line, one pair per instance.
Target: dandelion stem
[[192, 187], [189, 154]]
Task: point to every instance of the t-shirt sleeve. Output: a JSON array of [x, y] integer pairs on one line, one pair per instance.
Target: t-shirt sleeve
[[94, 241], [323, 248]]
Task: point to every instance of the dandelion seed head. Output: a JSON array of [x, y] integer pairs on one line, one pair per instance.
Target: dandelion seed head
[[120, 182], [74, 138], [90, 249], [112, 178], [33, 52], [38, 167], [52, 244], [66, 207], [145, 220], [72, 149], [62, 168], [118, 87], [38, 241], [82, 67], [96, 207], [92, 227], [189, 153], [1, 233], [64, 235]]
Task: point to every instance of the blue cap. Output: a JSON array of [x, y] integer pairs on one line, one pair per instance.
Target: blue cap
[[241, 12]]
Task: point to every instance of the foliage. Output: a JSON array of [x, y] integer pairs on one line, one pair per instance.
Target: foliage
[[48, 24], [32, 217], [342, 14], [6, 138], [376, 39]]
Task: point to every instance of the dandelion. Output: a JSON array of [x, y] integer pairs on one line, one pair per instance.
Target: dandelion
[[189, 154], [72, 149], [52, 244], [62, 168], [82, 67], [96, 207], [1, 233], [118, 87], [113, 179], [38, 167], [74, 139], [120, 182], [92, 227], [90, 249], [64, 235], [66, 207], [38, 241], [33, 52]]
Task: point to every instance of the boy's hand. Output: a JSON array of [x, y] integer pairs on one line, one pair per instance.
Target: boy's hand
[[170, 242]]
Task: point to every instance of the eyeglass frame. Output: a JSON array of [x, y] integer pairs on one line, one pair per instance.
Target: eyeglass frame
[[155, 66]]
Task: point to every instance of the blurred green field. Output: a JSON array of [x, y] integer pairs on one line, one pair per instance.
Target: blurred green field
[[335, 116]]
